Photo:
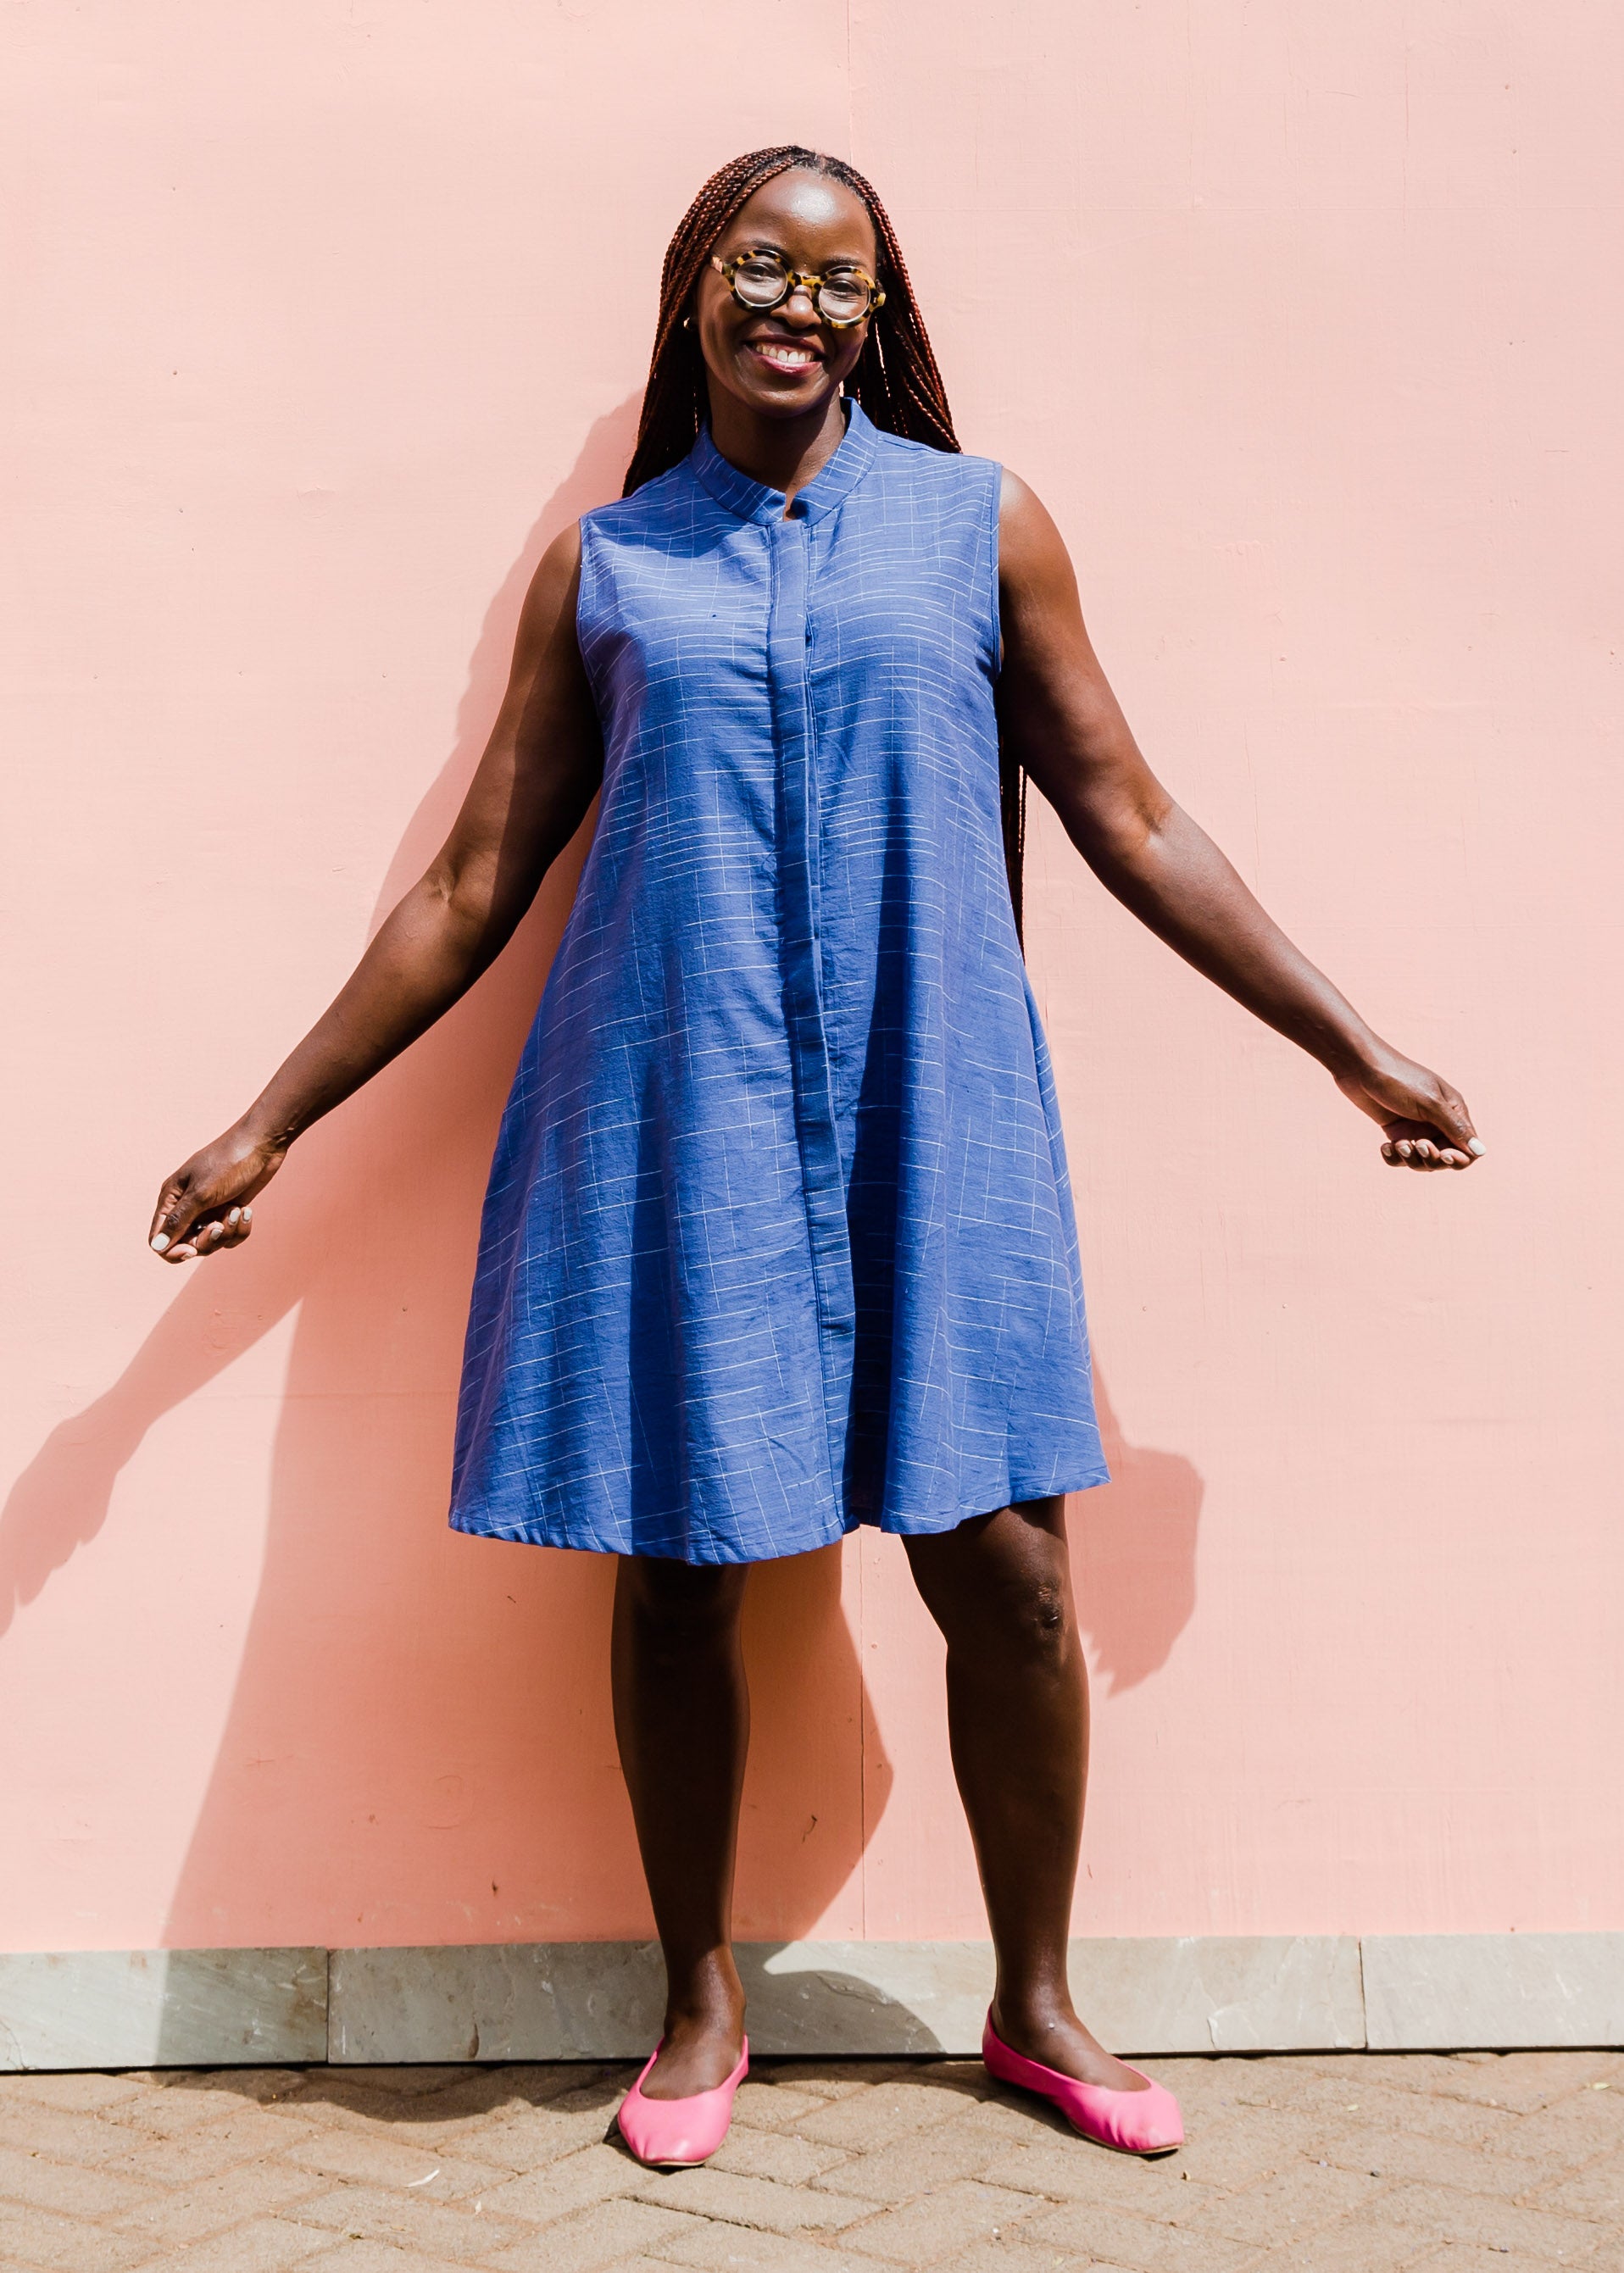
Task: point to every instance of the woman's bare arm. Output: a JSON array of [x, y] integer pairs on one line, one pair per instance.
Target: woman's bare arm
[[1058, 713], [540, 773]]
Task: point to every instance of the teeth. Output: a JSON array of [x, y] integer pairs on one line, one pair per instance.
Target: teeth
[[791, 359]]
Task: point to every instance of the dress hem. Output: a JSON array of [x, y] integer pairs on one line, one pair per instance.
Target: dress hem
[[544, 1532]]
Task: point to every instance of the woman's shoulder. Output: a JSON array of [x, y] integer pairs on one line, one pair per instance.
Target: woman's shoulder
[[924, 461], [956, 484], [947, 488], [654, 501]]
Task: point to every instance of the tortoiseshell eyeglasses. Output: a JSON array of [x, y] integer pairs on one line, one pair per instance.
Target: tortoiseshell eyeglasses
[[762, 280]]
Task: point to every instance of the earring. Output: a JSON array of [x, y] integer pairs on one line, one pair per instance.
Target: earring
[[688, 323]]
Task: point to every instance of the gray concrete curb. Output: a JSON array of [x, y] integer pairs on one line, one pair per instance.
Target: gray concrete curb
[[601, 2001]]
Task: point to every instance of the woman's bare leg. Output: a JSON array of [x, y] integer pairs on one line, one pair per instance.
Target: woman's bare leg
[[1000, 1588], [682, 1722]]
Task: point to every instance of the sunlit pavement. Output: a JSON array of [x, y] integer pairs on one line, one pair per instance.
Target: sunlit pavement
[[1355, 2163]]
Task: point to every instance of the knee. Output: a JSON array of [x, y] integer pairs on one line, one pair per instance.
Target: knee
[[681, 1610], [1045, 1614], [1030, 1621]]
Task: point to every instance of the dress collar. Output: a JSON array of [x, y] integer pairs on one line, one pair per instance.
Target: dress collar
[[854, 454]]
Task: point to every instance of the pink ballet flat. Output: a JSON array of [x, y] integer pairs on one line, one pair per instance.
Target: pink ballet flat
[[675, 2133], [1132, 2122]]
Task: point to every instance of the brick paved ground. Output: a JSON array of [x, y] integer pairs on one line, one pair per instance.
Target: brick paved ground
[[1337, 2165]]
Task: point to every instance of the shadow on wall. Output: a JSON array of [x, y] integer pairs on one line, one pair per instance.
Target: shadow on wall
[[419, 1745], [1134, 1556]]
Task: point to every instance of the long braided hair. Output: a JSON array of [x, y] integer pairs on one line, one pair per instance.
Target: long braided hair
[[896, 378]]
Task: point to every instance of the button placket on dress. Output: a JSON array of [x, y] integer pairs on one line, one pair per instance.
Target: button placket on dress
[[790, 548]]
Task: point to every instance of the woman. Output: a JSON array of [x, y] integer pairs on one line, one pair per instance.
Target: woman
[[779, 1237]]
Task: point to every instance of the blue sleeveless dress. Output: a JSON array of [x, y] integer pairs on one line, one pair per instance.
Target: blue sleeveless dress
[[779, 1238]]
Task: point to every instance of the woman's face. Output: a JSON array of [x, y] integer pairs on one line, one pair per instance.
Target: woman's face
[[786, 362]]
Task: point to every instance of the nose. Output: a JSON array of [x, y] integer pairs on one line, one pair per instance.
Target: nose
[[799, 305]]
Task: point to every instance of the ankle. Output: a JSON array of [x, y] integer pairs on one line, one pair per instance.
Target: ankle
[[705, 1995], [706, 2017], [1033, 2016]]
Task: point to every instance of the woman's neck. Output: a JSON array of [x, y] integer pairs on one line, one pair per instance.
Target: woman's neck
[[784, 453]]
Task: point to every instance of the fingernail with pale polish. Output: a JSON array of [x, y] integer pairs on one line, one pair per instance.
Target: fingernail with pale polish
[[160, 1242], [1477, 1148], [234, 1216]]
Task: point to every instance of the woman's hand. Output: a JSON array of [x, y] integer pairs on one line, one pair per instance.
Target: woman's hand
[[204, 1206], [1424, 1121]]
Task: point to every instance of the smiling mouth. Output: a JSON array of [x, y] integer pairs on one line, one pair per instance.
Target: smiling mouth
[[784, 355]]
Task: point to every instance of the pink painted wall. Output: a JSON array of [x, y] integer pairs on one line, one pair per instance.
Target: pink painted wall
[[1294, 316]]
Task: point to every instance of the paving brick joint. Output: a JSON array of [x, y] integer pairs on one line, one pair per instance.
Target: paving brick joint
[[1335, 2163]]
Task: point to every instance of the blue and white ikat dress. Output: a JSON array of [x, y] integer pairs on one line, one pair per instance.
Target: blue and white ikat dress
[[779, 1238]]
